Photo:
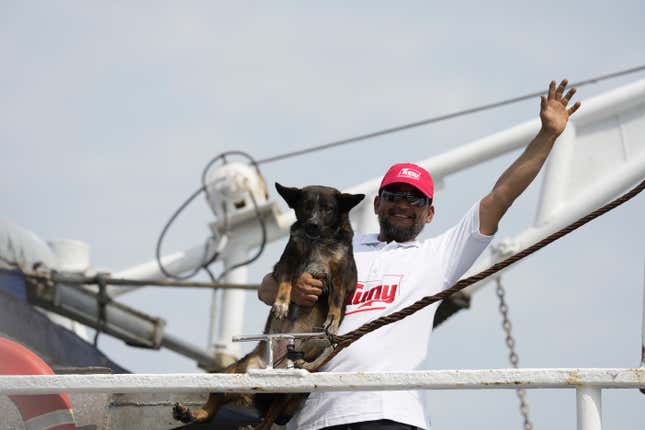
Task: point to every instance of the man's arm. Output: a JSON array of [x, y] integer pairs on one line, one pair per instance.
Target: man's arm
[[268, 289], [305, 292], [554, 115]]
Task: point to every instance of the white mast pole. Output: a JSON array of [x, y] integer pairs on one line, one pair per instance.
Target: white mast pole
[[227, 314]]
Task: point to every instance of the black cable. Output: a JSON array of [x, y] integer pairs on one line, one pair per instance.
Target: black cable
[[203, 188], [163, 234], [258, 215], [210, 274], [440, 118], [222, 157], [180, 209]]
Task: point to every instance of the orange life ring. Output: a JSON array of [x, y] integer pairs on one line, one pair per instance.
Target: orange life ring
[[41, 412]]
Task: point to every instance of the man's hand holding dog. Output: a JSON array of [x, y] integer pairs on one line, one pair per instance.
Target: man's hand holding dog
[[305, 292]]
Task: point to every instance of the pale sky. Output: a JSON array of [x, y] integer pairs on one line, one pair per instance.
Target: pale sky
[[110, 111]]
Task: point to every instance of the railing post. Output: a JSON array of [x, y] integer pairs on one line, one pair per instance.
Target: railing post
[[589, 408]]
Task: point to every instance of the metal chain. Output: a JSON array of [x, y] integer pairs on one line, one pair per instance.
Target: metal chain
[[513, 357]]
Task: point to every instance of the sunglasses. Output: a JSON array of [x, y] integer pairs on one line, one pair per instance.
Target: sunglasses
[[411, 198]]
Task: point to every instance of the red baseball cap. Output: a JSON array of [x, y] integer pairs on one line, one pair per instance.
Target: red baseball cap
[[409, 173]]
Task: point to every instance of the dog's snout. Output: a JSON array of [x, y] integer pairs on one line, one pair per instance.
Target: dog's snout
[[312, 229]]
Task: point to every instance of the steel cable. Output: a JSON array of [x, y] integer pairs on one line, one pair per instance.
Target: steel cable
[[440, 118], [79, 280]]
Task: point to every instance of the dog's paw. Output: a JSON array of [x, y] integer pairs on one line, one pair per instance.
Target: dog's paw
[[312, 348], [302, 364], [280, 310], [182, 413], [331, 325]]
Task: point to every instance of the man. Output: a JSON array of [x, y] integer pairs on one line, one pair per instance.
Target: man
[[395, 270]]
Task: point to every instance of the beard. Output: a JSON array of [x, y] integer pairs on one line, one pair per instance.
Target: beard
[[398, 233]]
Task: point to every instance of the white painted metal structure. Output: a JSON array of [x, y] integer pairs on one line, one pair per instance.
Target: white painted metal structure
[[587, 382], [600, 155], [299, 380], [604, 155], [228, 323], [21, 246]]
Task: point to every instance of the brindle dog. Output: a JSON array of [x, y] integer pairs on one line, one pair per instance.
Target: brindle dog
[[320, 243]]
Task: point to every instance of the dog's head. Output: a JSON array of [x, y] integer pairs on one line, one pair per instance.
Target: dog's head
[[319, 210]]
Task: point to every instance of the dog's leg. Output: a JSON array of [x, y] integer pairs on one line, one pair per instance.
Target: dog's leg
[[282, 300], [274, 411], [312, 348], [316, 351], [217, 400], [314, 365], [336, 301], [335, 312], [206, 412]]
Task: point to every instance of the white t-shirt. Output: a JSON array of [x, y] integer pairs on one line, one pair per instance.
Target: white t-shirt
[[392, 276]]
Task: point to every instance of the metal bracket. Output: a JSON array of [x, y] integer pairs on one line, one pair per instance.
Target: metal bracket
[[83, 305], [270, 337]]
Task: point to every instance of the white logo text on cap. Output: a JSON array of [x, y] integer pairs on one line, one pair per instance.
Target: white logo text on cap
[[409, 173]]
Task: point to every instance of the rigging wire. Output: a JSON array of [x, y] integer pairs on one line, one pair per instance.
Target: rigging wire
[[79, 281], [440, 118], [223, 156], [163, 234]]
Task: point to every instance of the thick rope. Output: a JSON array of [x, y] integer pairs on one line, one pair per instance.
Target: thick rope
[[347, 339]]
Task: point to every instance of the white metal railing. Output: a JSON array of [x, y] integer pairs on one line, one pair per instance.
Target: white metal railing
[[587, 382]]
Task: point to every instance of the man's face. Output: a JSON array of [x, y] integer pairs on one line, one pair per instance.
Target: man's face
[[399, 220]]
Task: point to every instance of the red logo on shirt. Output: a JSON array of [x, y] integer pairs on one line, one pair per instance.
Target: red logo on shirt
[[371, 297]]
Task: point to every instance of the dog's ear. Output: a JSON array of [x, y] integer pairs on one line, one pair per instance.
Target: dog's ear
[[290, 194], [348, 201]]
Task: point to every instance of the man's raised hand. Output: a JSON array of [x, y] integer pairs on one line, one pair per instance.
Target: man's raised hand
[[553, 108]]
